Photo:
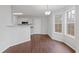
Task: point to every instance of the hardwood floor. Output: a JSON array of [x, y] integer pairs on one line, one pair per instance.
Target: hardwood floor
[[40, 44]]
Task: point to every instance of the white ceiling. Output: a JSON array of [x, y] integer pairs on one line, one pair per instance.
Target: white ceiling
[[35, 10]]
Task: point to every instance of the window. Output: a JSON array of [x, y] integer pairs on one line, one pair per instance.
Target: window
[[66, 24], [70, 18], [58, 23]]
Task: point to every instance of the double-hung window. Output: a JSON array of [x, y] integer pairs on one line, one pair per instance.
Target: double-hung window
[[67, 23], [58, 23], [70, 22]]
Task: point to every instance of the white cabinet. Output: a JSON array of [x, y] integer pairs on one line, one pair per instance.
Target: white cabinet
[[21, 19], [19, 34]]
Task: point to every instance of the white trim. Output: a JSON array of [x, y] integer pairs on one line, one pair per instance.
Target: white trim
[[73, 37], [69, 23], [61, 22], [58, 32]]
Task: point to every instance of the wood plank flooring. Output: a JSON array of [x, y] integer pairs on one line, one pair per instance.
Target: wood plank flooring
[[40, 44]]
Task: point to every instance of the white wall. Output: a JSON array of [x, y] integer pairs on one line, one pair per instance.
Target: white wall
[[5, 20], [36, 25], [14, 20], [77, 27], [40, 25], [9, 33], [44, 25], [72, 42]]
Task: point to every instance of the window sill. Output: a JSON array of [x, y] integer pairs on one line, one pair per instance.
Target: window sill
[[58, 32], [73, 37]]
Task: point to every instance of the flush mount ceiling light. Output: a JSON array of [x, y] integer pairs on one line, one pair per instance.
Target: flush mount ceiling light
[[47, 12], [18, 13]]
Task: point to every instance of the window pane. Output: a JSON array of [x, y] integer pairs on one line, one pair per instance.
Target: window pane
[[73, 11], [71, 22], [69, 15], [70, 29], [58, 23]]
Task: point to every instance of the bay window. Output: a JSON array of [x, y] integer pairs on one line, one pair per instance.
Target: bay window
[[66, 22]]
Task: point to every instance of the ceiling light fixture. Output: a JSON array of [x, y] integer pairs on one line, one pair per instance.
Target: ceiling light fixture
[[18, 13], [47, 12]]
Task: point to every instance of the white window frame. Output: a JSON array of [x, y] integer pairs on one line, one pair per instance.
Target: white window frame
[[66, 24], [61, 22]]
